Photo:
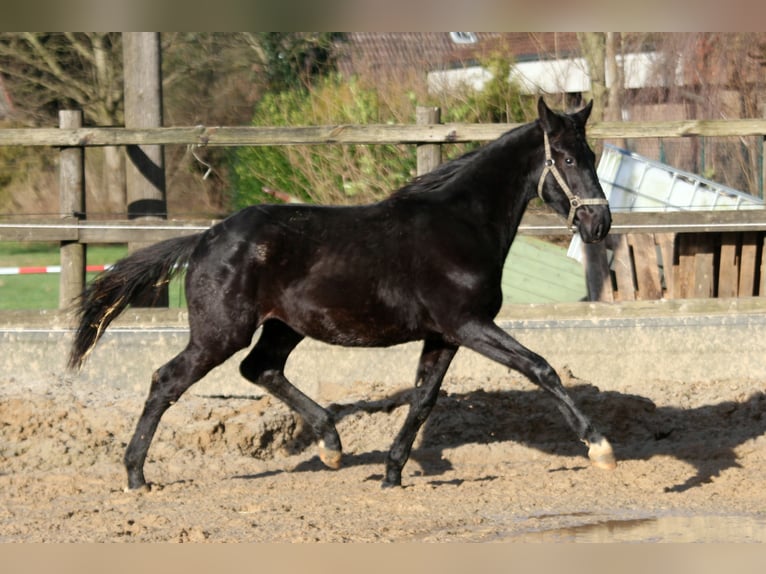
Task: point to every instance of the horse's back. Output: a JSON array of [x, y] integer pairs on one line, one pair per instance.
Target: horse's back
[[371, 275]]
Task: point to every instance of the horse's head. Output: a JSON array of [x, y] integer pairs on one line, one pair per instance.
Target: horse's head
[[568, 181]]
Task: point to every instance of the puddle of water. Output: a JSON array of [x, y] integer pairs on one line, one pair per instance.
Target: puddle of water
[[708, 529]]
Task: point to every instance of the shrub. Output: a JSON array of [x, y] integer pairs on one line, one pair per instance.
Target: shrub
[[344, 174], [335, 174]]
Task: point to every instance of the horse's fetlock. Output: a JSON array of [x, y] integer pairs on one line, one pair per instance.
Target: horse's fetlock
[[546, 375]]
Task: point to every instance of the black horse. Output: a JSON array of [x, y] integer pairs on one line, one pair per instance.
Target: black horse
[[424, 264]]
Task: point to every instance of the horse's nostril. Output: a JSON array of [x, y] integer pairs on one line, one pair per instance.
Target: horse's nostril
[[599, 231]]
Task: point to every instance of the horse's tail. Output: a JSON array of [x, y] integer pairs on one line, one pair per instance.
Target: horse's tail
[[112, 291]]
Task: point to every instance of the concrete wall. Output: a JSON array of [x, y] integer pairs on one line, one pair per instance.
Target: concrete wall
[[614, 346]]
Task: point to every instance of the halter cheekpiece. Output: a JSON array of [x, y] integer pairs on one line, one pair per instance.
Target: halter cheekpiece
[[574, 201]]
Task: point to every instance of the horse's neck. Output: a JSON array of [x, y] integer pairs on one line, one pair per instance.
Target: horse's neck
[[504, 181]]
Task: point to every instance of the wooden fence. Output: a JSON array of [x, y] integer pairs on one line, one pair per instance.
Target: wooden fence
[[669, 254]]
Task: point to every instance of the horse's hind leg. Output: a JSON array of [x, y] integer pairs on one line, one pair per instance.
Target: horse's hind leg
[[169, 382], [265, 366], [435, 359]]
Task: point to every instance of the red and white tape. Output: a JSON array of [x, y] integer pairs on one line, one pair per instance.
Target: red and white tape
[[46, 269]]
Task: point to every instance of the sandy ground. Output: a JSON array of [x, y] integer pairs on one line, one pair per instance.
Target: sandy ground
[[495, 462]]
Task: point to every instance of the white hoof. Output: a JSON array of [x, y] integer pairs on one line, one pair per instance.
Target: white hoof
[[601, 455], [331, 458]]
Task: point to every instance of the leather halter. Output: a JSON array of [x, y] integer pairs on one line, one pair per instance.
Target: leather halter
[[574, 201]]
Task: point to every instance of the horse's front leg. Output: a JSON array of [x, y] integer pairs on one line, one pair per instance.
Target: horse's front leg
[[435, 359], [494, 343]]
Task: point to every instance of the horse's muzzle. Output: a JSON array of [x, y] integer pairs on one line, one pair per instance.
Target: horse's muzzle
[[593, 223]]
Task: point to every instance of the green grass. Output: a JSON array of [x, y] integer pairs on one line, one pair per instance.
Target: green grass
[[42, 291]]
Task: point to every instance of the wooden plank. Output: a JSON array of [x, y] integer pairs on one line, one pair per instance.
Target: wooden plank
[[533, 223], [689, 221], [356, 134], [762, 282], [673, 129], [704, 270], [49, 233], [118, 231], [747, 264], [646, 265], [667, 245], [683, 272], [548, 223], [728, 267], [598, 277], [256, 135], [429, 156], [623, 270], [128, 231]]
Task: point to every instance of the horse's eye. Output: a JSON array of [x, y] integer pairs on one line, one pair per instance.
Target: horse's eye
[[569, 161]]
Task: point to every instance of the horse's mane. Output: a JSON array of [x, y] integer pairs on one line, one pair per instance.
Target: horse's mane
[[436, 178]]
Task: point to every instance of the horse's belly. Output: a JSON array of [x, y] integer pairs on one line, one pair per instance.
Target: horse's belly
[[378, 327]]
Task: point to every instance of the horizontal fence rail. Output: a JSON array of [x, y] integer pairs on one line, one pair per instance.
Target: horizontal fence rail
[[355, 134], [124, 231]]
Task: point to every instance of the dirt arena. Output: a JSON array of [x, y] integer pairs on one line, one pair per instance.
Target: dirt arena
[[494, 463]]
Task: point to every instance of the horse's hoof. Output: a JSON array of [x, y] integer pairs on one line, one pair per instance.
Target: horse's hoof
[[601, 455], [141, 488], [330, 458], [392, 479]]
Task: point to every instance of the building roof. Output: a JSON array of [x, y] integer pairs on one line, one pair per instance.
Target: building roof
[[427, 51]]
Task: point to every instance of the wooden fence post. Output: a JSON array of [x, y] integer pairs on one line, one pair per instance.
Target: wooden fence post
[[72, 209], [145, 168], [429, 155]]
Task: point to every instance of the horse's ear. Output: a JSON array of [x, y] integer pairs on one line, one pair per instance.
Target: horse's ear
[[548, 118], [582, 116]]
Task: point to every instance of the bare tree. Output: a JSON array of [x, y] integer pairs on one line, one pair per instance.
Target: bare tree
[[208, 78], [722, 78], [46, 72], [49, 71], [593, 49], [603, 53]]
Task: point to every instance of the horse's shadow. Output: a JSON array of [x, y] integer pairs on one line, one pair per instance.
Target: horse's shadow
[[705, 437]]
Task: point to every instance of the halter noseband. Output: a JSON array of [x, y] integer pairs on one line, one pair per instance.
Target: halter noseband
[[574, 201]]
